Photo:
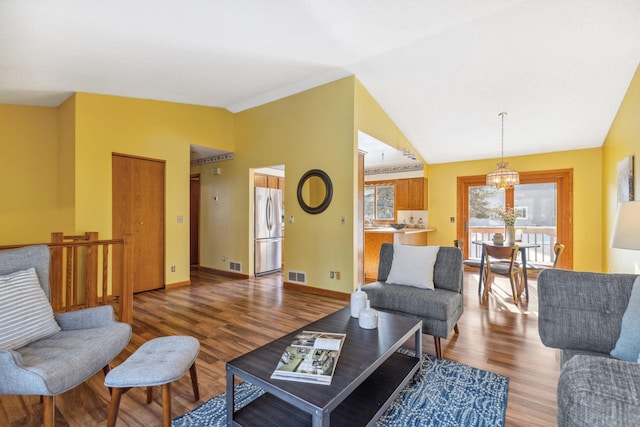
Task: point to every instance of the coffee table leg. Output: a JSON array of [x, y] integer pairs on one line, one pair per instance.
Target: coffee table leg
[[418, 343], [318, 420], [230, 397]]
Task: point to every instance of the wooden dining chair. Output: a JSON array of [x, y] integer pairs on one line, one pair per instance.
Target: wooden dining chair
[[538, 267], [501, 260], [474, 263]]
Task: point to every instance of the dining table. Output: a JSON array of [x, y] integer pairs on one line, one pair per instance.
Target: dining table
[[522, 248]]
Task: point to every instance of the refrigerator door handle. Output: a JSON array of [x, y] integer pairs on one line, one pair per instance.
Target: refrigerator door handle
[[269, 209]]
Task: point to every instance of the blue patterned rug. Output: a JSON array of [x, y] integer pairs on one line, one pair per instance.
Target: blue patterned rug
[[450, 394]]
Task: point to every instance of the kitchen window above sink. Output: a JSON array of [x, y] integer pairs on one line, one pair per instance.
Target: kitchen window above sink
[[379, 203]]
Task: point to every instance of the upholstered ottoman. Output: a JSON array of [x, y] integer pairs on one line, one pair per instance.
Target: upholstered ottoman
[[157, 362]]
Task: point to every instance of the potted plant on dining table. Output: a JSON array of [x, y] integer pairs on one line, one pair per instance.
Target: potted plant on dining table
[[509, 216]]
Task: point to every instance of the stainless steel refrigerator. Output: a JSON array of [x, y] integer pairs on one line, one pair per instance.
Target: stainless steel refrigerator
[[268, 230]]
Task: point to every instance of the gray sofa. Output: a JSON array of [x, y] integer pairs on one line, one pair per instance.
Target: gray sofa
[[581, 314], [439, 309]]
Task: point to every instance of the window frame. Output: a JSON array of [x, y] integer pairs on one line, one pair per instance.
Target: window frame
[[376, 185]]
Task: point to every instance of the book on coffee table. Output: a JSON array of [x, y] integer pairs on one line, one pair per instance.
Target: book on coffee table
[[311, 357]]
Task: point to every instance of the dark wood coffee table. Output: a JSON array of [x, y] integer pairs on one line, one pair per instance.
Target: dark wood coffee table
[[368, 376]]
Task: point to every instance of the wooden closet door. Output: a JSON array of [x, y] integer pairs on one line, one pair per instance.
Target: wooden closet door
[[138, 209]]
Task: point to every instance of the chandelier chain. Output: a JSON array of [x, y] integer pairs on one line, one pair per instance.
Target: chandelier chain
[[502, 144]]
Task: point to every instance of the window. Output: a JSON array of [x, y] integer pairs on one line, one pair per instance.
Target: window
[[543, 202], [379, 202], [521, 212]]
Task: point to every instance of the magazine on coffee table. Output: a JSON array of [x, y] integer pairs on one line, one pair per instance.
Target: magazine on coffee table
[[311, 357]]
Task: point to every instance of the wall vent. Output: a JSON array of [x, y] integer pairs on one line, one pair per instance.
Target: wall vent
[[235, 266], [297, 276]]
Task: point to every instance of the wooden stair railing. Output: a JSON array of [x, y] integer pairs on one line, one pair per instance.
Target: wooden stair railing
[[76, 279]]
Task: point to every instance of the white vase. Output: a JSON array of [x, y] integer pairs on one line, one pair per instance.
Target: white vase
[[358, 301], [368, 317], [510, 235]]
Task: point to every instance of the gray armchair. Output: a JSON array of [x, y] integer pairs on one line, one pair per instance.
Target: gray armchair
[[581, 314], [88, 341], [439, 308]]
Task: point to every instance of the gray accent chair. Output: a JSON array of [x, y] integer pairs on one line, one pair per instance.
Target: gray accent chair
[[89, 340], [439, 309], [581, 314]]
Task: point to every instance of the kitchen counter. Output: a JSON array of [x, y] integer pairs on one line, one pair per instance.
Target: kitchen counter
[[374, 237], [401, 231]]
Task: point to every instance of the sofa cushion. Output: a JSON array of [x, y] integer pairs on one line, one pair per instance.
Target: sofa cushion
[[60, 362], [628, 345], [567, 354], [25, 313], [437, 304], [599, 391], [413, 266]]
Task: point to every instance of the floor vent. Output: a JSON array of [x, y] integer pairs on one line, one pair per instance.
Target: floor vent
[[297, 276], [235, 266]]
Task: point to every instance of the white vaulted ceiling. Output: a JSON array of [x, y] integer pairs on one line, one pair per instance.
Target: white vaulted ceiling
[[442, 70]]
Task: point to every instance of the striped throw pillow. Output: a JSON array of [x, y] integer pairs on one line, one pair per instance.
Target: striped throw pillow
[[25, 312]]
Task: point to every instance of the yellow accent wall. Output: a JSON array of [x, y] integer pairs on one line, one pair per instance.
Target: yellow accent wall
[[66, 178], [309, 130], [622, 140], [587, 190], [150, 129], [28, 175]]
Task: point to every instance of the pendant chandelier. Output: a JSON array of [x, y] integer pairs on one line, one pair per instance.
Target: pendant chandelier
[[503, 177]]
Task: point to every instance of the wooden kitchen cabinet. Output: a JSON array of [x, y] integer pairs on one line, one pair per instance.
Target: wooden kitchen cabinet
[[372, 243], [402, 194], [411, 194], [268, 181], [373, 240], [418, 194], [260, 180], [272, 181]]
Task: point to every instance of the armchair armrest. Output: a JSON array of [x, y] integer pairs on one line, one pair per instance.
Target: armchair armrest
[[581, 310], [10, 365], [94, 317]]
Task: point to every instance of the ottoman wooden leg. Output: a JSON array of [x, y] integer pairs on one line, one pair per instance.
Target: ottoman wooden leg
[[166, 405], [149, 394], [116, 394], [194, 382]]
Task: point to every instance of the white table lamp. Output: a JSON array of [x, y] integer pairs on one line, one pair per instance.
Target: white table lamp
[[626, 230]]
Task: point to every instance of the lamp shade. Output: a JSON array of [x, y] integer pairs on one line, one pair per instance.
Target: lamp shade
[[626, 230], [503, 177]]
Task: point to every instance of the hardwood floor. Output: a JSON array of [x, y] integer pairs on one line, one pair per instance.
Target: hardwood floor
[[231, 317]]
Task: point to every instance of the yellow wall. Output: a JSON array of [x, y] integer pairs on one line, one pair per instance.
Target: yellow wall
[[309, 130], [587, 216], [623, 140], [67, 166], [28, 175], [151, 129]]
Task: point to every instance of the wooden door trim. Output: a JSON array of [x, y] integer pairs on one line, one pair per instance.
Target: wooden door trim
[[564, 180], [113, 153]]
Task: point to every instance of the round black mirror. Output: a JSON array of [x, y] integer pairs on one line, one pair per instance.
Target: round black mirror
[[315, 191]]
